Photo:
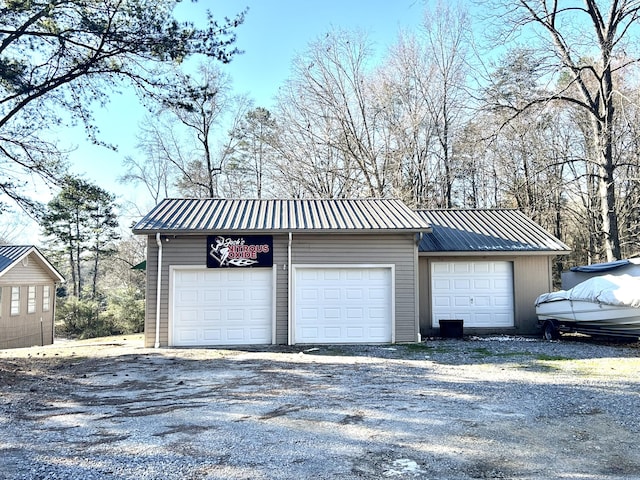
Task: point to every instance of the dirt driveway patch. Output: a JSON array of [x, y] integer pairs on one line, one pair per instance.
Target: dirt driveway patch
[[445, 409]]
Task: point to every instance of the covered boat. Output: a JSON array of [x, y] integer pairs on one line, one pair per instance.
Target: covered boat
[[606, 305]]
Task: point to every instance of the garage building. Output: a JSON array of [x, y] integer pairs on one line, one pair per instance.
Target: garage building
[[486, 268], [233, 272]]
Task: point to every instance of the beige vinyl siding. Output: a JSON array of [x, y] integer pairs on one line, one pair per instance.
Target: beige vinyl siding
[[280, 258], [31, 274], [398, 250], [531, 277], [24, 329], [306, 249]]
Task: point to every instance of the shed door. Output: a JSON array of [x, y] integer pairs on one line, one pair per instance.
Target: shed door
[[478, 292], [343, 305], [221, 307]]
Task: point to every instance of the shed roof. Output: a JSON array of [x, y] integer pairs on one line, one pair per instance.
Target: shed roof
[[11, 255], [495, 230], [177, 215]]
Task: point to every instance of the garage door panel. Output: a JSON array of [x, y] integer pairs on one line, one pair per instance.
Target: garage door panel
[[440, 267], [502, 301], [309, 313], [222, 307], [188, 296], [439, 301], [377, 293], [502, 267], [479, 301], [355, 332], [331, 313], [480, 293], [188, 316], [187, 277], [354, 294], [459, 268], [188, 335], [212, 335], [257, 334], [310, 332], [461, 301], [479, 268], [354, 275], [329, 275], [352, 305], [332, 333], [236, 295], [329, 294]]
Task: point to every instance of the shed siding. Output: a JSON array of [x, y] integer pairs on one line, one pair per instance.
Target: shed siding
[[531, 277], [306, 249], [32, 274], [26, 329]]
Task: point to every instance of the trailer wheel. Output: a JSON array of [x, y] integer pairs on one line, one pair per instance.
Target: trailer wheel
[[550, 331]]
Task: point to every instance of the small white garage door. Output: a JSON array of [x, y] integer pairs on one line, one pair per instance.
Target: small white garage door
[[219, 306], [343, 305], [478, 292]]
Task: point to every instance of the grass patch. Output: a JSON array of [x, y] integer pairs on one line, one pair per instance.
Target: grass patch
[[418, 347], [484, 352], [543, 357]]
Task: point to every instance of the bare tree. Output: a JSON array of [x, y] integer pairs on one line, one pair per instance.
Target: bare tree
[[568, 38], [184, 141], [253, 152], [308, 162], [447, 36], [400, 94], [333, 76]]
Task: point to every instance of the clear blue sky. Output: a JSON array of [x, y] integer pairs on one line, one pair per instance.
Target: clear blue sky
[[275, 30]]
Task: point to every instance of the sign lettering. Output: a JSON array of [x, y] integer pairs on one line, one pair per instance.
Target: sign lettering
[[239, 252]]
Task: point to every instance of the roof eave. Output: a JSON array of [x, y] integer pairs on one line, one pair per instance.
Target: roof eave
[[497, 253], [52, 270], [283, 231]]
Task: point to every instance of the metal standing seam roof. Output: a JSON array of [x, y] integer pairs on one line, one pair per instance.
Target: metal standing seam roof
[[495, 230], [10, 255], [176, 215]]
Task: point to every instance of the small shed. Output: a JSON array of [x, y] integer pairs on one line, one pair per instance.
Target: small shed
[[484, 267], [27, 297], [232, 272]]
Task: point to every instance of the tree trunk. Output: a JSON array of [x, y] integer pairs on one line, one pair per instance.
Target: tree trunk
[[606, 184]]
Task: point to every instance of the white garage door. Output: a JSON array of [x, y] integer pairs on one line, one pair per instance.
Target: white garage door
[[219, 306], [480, 293], [343, 305]]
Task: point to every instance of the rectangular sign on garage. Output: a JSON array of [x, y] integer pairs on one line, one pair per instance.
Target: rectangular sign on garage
[[229, 251]]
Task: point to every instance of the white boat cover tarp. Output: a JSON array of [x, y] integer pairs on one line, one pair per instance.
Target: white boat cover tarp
[[619, 290]]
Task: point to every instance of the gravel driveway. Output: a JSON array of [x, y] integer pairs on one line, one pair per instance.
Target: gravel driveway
[[508, 408]]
